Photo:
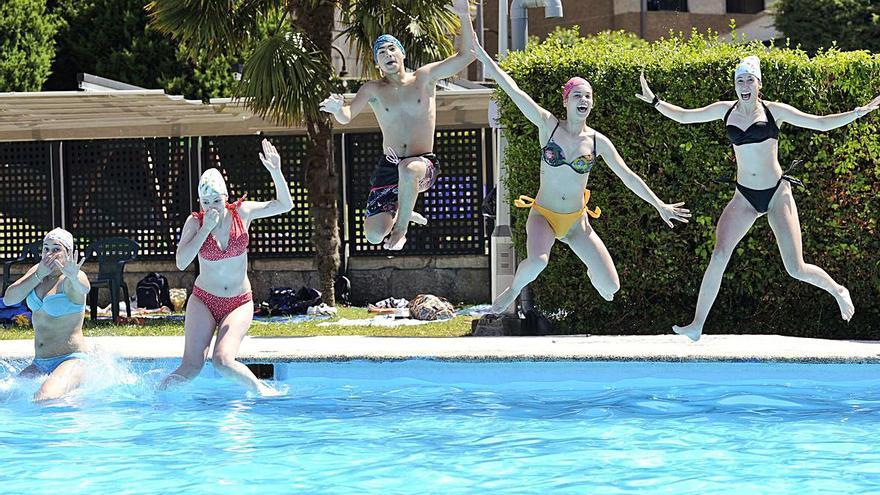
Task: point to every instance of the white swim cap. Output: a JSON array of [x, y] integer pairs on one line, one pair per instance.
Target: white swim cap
[[62, 237], [749, 65], [212, 183]]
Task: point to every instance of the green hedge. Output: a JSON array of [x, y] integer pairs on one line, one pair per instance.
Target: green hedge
[[661, 268], [26, 44]]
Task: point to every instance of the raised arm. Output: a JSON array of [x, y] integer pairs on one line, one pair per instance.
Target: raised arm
[[282, 203], [795, 117], [524, 102], [634, 183], [335, 104], [715, 111], [193, 236], [18, 291], [456, 63]]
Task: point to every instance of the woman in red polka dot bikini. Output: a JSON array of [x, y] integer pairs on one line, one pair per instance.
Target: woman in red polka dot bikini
[[221, 298]]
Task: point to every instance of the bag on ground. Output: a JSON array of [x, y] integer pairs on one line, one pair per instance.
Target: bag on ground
[[430, 307], [287, 301]]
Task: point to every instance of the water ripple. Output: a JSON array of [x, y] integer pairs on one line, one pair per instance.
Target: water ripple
[[457, 428]]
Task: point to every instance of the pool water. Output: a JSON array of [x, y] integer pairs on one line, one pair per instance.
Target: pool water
[[452, 427]]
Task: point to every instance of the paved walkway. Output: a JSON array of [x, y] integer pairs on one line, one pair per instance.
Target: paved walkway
[[654, 348]]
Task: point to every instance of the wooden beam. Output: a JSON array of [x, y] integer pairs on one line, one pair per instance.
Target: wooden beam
[[138, 114]]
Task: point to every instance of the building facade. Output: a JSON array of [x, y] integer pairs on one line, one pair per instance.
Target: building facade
[[651, 20]]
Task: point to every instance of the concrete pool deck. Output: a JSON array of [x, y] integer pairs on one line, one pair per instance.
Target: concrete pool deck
[[589, 348]]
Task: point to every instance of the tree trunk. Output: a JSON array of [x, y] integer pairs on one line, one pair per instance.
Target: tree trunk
[[322, 178]]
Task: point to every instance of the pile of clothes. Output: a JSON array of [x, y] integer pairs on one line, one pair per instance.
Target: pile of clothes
[[424, 307]]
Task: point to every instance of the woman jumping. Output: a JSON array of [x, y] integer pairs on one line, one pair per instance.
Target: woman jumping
[[221, 297], [559, 210], [761, 188], [55, 290]]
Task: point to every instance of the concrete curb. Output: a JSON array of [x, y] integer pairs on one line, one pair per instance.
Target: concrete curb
[[669, 348]]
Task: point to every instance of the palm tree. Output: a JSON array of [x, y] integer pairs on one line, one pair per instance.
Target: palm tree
[[288, 71]]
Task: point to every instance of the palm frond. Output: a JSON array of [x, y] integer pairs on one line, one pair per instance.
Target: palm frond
[[285, 78], [201, 23], [424, 27]]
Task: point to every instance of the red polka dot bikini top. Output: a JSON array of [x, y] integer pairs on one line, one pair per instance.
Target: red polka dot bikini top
[[238, 236]]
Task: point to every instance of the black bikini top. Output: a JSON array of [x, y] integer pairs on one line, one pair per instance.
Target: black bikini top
[[756, 133]]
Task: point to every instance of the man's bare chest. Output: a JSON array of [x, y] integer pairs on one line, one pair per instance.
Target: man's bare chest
[[403, 101]]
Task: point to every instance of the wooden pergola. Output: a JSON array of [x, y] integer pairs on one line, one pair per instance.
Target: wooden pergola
[[65, 115]]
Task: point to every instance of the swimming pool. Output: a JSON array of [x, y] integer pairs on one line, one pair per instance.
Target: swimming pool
[[420, 426]]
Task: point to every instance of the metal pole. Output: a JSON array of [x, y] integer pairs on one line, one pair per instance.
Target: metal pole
[[481, 35], [643, 8], [503, 262], [503, 258], [502, 29], [62, 200], [343, 236], [519, 25]]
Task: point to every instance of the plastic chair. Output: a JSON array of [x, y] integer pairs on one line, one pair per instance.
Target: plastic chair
[[31, 254], [112, 254]]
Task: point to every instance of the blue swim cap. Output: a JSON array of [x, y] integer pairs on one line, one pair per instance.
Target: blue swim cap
[[386, 38]]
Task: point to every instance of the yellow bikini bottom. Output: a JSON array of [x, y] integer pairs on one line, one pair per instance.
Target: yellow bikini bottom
[[560, 222]]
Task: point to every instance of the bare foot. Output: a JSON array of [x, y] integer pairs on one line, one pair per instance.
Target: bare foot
[[847, 309], [503, 301], [396, 239], [692, 331], [418, 219], [267, 391], [172, 380]]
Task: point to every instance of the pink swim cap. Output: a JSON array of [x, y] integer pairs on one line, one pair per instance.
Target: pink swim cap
[[574, 81]]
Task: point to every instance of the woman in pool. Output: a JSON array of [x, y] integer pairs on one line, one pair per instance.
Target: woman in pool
[[753, 130], [55, 290], [559, 209], [221, 297]]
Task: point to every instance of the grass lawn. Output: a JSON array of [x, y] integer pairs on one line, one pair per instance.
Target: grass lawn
[[456, 327]]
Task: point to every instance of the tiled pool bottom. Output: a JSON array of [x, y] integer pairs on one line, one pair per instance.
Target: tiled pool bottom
[[418, 426]]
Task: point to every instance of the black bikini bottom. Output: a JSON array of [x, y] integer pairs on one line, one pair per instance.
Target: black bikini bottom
[[760, 198]]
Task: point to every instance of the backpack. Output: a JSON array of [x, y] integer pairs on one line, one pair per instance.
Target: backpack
[[153, 292], [287, 301], [430, 307]]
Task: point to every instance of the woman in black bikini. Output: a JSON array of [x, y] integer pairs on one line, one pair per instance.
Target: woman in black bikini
[[761, 186]]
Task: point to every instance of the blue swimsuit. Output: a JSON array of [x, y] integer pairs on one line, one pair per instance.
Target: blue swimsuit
[[54, 305]]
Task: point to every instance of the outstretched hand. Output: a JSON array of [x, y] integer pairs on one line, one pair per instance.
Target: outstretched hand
[[670, 212], [70, 264], [870, 107], [270, 157], [332, 104], [646, 95]]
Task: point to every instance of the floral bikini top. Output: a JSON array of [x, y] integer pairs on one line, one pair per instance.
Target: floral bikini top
[[553, 155], [238, 237]]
